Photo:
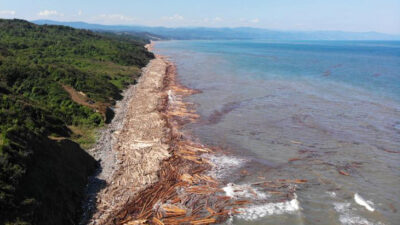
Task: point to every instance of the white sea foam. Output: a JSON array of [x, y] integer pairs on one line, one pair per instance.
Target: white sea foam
[[356, 220], [229, 221], [257, 211], [347, 217], [332, 194], [361, 201], [244, 191], [224, 165]]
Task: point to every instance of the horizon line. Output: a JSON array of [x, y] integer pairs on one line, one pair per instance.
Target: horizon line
[[209, 27]]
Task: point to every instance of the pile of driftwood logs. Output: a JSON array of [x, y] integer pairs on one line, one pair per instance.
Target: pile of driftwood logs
[[184, 193]]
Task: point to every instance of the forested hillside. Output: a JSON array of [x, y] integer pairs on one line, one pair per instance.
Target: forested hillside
[[57, 85]]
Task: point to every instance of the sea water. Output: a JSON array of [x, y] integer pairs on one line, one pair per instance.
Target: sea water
[[324, 111]]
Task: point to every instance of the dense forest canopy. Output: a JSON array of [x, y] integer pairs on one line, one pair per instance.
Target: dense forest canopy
[[56, 86]]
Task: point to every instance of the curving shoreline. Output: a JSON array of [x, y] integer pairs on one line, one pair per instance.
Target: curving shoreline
[[159, 175]]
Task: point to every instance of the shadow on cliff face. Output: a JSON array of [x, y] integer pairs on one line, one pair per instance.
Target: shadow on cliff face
[[51, 188], [95, 185]]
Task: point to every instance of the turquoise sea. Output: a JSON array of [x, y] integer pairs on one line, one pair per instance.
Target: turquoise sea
[[324, 111]]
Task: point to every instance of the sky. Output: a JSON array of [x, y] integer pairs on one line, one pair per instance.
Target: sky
[[300, 15]]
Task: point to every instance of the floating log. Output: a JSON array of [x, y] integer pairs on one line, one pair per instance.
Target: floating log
[[296, 181], [157, 221], [136, 222], [202, 189], [172, 210], [203, 221]]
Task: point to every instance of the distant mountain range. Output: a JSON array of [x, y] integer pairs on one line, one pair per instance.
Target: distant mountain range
[[206, 33]]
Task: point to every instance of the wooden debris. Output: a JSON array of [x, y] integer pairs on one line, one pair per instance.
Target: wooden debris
[[157, 221], [244, 172], [202, 190], [195, 159], [241, 202], [211, 211], [296, 181], [136, 222], [179, 220], [294, 159], [172, 210], [203, 221], [187, 178]]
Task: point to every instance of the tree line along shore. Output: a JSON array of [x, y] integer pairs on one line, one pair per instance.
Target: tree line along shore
[[57, 87]]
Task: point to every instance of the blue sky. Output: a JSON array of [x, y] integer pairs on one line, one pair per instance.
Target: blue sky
[[346, 15]]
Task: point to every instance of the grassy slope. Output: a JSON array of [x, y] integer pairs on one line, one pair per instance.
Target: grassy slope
[[42, 178]]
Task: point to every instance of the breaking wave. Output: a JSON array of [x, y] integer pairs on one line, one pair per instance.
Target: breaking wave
[[257, 211], [224, 165]]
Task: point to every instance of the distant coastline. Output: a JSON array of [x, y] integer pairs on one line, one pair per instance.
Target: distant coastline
[[224, 33]]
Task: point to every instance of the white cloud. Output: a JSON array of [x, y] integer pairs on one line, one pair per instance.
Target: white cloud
[[254, 20], [112, 19], [244, 21], [117, 17], [217, 19], [7, 13], [49, 13], [211, 20], [80, 13], [175, 17]]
